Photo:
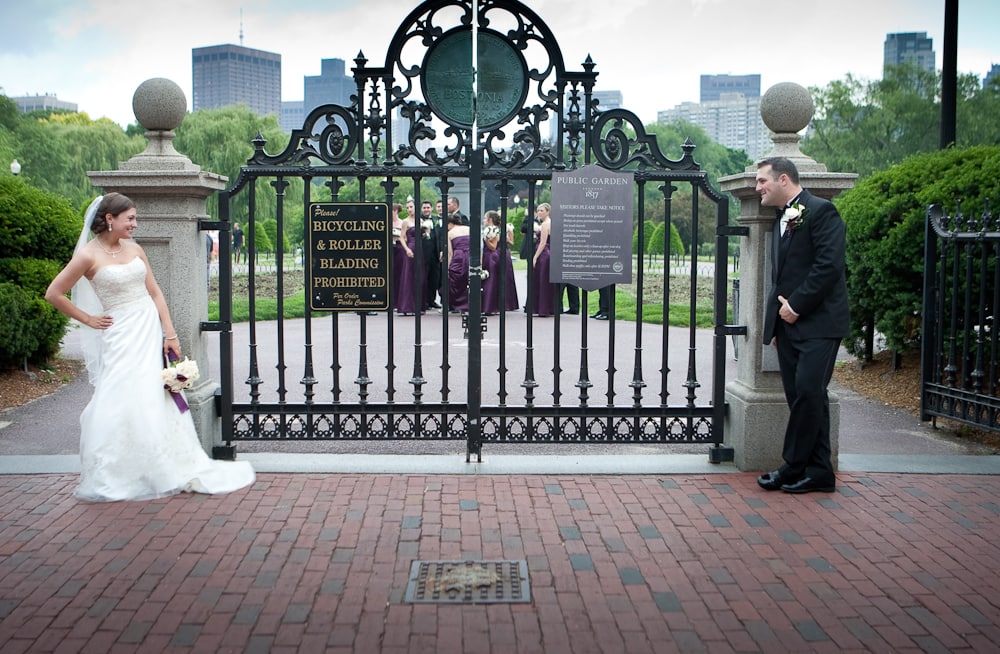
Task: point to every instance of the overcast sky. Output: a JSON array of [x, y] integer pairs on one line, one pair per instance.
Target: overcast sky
[[96, 52]]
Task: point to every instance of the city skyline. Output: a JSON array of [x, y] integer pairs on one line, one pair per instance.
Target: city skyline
[[37, 42]]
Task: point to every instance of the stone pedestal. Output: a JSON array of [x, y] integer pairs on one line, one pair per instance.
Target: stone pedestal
[[757, 411], [170, 193]]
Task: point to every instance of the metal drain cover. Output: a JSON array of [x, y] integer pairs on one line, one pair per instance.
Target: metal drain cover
[[468, 582]]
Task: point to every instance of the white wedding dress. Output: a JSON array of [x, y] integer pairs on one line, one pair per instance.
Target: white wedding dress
[[135, 444]]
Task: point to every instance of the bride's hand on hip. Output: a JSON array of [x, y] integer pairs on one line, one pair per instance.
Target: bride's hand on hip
[[100, 322]]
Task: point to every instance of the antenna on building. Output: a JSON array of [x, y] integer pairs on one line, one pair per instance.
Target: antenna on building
[[241, 25]]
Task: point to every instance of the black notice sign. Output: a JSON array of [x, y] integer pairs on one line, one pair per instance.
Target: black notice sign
[[591, 228], [348, 256]]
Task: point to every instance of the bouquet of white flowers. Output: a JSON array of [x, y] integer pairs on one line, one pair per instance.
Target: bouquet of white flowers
[[491, 231], [179, 375]]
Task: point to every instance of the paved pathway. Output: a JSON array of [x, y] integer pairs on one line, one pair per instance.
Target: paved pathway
[[650, 563]]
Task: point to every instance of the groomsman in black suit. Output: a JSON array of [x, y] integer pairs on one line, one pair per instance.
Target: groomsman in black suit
[[453, 208], [432, 257], [805, 317]]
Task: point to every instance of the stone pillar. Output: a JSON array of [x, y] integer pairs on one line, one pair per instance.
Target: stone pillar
[[757, 412], [170, 193]]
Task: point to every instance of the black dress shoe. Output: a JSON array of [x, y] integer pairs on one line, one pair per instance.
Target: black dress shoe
[[810, 485], [570, 312], [596, 314], [601, 316], [771, 481]]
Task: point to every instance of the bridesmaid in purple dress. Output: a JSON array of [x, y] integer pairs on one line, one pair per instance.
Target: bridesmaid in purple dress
[[398, 255], [410, 277], [458, 264], [499, 275], [545, 291]]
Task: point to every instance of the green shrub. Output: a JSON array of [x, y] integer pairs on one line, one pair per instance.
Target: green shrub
[[34, 275], [30, 327], [885, 216], [17, 337], [35, 224]]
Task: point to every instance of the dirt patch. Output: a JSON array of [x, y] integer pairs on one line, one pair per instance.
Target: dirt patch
[[18, 387]]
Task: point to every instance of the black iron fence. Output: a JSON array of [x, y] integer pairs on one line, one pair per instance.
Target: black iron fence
[[960, 344]]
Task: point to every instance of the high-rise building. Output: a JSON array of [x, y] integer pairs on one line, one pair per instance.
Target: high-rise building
[[45, 102], [608, 100], [733, 121], [713, 86], [224, 75], [292, 115], [994, 73], [331, 86], [914, 48]]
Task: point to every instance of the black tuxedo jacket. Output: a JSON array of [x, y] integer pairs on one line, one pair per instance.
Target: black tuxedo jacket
[[808, 269]]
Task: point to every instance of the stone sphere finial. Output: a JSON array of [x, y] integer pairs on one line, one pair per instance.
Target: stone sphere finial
[[159, 104], [787, 108]]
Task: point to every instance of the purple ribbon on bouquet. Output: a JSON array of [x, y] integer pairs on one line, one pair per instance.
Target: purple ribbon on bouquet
[[179, 400]]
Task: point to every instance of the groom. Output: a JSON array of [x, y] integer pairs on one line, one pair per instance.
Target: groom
[[806, 316]]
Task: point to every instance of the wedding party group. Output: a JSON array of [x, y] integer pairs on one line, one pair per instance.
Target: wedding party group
[[431, 255]]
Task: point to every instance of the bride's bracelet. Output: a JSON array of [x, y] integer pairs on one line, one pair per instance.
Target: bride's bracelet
[[170, 338]]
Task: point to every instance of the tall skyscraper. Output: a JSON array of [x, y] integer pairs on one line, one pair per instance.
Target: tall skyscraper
[[608, 100], [331, 86], [729, 112], [224, 75], [910, 48], [713, 86], [733, 121], [994, 73]]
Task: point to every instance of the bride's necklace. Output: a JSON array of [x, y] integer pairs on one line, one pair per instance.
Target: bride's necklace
[[115, 253]]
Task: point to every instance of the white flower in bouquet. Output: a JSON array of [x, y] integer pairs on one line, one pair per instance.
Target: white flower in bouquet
[[180, 375], [491, 231]]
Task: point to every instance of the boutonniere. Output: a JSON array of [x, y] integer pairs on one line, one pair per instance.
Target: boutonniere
[[794, 216]]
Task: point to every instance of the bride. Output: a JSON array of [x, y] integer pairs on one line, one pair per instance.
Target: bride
[[135, 441]]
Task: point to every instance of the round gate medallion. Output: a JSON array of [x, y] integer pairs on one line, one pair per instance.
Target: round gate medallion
[[446, 81]]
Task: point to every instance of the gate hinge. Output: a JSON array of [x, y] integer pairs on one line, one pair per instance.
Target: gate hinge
[[208, 225], [733, 230], [731, 330], [215, 326]]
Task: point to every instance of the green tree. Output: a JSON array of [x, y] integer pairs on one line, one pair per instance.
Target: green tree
[[261, 241], [58, 149], [865, 126], [714, 158], [220, 141], [885, 216]]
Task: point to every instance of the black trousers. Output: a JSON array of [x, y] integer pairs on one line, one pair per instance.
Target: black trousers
[[574, 297], [604, 296], [806, 369]]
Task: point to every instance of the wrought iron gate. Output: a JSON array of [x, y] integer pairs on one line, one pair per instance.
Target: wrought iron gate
[[501, 378], [960, 347]]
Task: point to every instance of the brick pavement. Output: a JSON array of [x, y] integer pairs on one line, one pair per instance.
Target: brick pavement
[[689, 563]]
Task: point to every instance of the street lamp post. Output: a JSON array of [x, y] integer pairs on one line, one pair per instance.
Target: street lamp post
[[15, 167]]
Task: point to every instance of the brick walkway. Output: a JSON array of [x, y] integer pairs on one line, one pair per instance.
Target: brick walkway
[[313, 563]]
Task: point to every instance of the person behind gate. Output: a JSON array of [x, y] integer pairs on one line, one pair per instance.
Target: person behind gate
[[805, 317]]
